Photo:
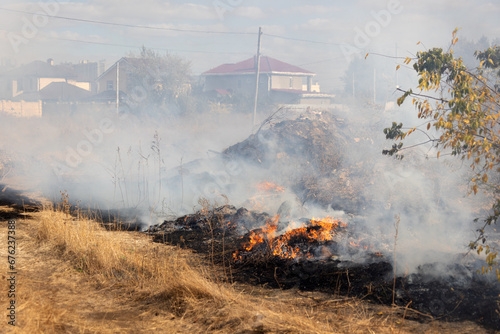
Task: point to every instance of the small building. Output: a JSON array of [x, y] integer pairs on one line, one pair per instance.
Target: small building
[[136, 77], [26, 90], [108, 80], [279, 81], [32, 78]]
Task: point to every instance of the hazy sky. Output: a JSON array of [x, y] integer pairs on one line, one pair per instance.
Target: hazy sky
[[329, 32]]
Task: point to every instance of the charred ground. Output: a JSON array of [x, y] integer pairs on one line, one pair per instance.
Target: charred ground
[[461, 295]]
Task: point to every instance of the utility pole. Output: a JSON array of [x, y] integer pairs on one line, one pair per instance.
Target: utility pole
[[257, 75], [374, 86], [118, 87]]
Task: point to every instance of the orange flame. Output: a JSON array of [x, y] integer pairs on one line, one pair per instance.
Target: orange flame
[[268, 186], [316, 230]]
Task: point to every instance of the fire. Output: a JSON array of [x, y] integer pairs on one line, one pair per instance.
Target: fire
[[316, 230], [257, 237], [360, 243], [270, 187]]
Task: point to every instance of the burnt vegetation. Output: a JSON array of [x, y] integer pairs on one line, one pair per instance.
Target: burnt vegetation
[[459, 294], [323, 254]]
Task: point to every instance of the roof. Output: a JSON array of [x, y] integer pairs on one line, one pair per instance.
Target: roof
[[125, 60], [63, 91], [56, 91], [60, 91], [41, 69], [267, 65]]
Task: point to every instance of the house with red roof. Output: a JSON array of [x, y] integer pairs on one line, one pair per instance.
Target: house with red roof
[[280, 81]]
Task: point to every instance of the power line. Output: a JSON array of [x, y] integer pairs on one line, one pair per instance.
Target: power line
[[129, 25], [138, 47], [301, 40], [387, 56], [168, 29]]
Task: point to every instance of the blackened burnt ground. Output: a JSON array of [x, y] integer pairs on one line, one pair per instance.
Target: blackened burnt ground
[[461, 294], [16, 205]]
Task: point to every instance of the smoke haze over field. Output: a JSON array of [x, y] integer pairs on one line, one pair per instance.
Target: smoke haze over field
[[322, 37], [162, 163], [160, 167]]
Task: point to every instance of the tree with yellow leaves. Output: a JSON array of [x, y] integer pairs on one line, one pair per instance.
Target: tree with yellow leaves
[[463, 106]]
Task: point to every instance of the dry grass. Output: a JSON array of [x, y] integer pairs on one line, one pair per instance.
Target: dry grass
[[108, 282]]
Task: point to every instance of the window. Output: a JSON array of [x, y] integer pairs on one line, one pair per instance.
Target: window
[[109, 85], [291, 82]]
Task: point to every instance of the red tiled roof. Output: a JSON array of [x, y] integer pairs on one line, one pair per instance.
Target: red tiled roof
[[267, 65]]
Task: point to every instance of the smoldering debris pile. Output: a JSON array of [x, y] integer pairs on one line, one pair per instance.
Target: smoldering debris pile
[[313, 141], [321, 254], [306, 155]]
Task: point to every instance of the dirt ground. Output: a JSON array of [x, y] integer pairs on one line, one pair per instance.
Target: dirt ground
[[53, 296]]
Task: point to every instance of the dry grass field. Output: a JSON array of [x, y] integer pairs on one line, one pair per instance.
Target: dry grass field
[[73, 276]]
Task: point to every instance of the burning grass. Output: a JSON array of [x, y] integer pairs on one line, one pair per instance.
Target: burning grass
[[165, 278], [329, 256], [133, 285], [281, 245]]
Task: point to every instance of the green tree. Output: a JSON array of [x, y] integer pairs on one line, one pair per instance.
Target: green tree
[[461, 105], [158, 80]]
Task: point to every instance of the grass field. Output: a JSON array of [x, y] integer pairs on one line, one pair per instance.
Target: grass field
[[73, 276]]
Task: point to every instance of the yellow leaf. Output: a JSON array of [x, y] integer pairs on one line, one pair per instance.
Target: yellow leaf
[[438, 154], [428, 126], [485, 178], [397, 67], [366, 55]]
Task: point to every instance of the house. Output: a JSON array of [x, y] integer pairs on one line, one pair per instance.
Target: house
[[26, 90], [26, 82], [137, 77], [280, 81], [107, 81]]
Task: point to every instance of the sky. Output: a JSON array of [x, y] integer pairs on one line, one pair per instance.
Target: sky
[[320, 36]]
